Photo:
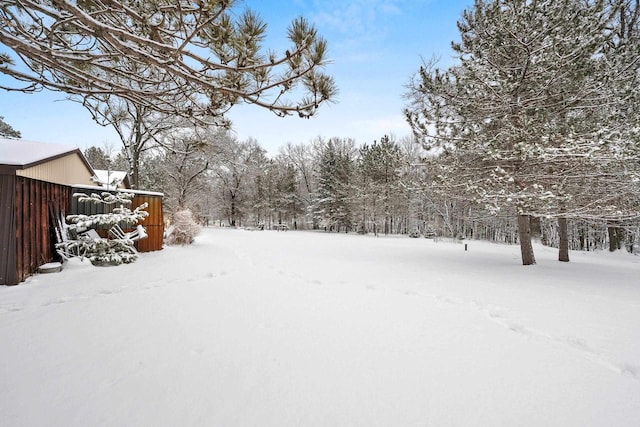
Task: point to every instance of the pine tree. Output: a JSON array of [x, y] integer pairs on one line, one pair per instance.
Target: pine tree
[[97, 158], [6, 131], [101, 251], [522, 119], [381, 162], [194, 59], [335, 190]]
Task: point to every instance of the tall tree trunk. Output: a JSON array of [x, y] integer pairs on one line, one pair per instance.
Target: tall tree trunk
[[136, 151], [135, 170], [563, 253], [233, 211], [615, 238], [536, 228], [526, 248]]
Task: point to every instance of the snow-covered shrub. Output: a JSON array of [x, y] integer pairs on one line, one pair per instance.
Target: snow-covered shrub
[[429, 231], [112, 252], [118, 215], [414, 233], [98, 250], [184, 228]]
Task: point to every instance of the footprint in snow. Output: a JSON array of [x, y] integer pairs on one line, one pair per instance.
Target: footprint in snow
[[62, 300], [198, 351], [11, 309], [448, 300], [520, 329], [110, 291], [579, 344], [629, 370]]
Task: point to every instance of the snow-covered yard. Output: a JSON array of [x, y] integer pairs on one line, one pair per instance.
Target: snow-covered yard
[[313, 329]]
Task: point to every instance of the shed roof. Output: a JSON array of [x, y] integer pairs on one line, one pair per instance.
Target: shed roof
[[21, 154], [107, 178]]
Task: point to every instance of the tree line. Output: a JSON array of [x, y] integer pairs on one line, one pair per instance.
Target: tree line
[[390, 186]]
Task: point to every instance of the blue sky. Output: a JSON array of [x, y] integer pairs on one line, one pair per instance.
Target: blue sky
[[374, 45]]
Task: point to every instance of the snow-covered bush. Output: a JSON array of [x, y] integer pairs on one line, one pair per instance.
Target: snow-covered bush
[[98, 250], [116, 216], [184, 228], [112, 252], [429, 231]]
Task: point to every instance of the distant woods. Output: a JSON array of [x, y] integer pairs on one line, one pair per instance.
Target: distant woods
[[390, 186]]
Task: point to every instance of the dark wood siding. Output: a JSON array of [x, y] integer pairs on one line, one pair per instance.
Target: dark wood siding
[[33, 236], [8, 272]]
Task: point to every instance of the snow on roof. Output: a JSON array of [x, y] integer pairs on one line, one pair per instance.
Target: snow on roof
[[109, 178], [122, 190], [17, 152]]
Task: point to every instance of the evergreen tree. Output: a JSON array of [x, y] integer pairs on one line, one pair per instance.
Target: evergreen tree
[[193, 59], [97, 158], [101, 251], [381, 164], [288, 194], [521, 118], [6, 131], [335, 191]]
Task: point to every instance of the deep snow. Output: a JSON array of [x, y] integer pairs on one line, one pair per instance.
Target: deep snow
[[314, 329]]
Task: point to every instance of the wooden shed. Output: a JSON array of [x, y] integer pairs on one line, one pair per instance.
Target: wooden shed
[[37, 182]]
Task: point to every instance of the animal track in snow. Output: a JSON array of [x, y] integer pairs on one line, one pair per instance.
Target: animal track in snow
[[499, 316]]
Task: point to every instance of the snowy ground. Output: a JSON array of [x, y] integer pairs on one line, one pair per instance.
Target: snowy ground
[[313, 329]]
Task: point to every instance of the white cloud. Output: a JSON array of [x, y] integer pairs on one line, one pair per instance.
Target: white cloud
[[359, 18]]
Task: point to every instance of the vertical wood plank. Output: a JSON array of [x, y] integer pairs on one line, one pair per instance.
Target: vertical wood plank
[[32, 229], [37, 240], [20, 249]]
